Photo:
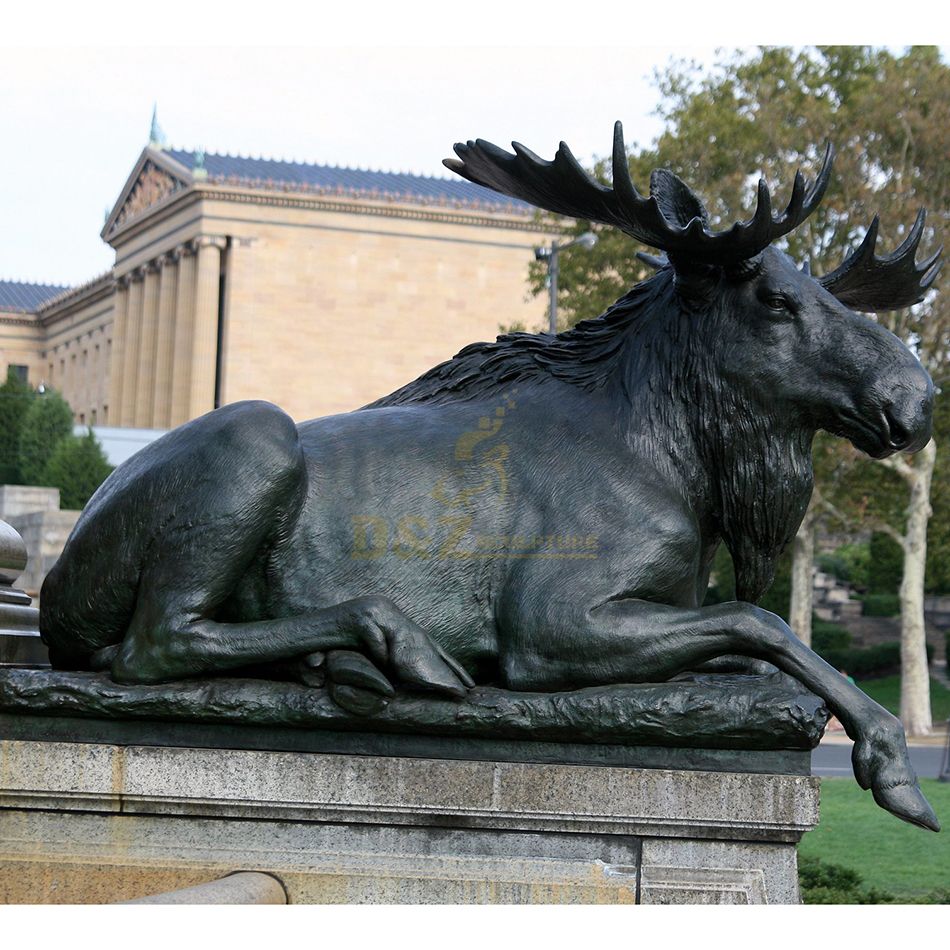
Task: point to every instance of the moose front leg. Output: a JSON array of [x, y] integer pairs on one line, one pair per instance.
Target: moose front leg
[[629, 641]]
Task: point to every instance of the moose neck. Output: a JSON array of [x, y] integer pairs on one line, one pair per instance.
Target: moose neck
[[743, 465]]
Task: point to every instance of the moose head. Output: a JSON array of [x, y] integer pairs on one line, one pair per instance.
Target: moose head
[[787, 338], [734, 343]]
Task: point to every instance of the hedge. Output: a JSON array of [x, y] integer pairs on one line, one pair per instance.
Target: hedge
[[828, 636], [880, 605], [880, 660]]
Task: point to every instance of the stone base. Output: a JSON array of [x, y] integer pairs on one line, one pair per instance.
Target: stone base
[[85, 822]]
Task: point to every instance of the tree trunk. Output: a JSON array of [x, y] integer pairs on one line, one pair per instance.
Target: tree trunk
[[915, 675], [803, 560]]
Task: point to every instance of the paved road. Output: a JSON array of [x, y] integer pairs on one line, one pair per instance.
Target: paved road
[[835, 759]]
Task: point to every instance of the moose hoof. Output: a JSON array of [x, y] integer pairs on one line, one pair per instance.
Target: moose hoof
[[360, 702], [104, 658], [420, 664], [908, 803], [348, 668], [311, 670]]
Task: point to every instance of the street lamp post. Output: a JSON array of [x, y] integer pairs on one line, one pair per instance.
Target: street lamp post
[[587, 240]]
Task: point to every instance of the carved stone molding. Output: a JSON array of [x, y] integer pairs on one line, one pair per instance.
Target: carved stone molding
[[209, 240], [153, 185]]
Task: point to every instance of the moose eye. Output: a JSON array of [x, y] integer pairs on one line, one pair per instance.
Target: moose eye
[[778, 302]]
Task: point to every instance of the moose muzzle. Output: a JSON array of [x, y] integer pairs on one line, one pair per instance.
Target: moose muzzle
[[908, 409]]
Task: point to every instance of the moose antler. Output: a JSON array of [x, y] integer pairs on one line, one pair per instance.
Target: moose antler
[[672, 218], [867, 282]]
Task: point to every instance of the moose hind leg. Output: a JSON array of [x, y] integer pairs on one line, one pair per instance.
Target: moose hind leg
[[166, 643]]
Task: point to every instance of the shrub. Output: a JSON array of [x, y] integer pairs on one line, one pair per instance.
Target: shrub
[[824, 883], [77, 468], [828, 636], [880, 605], [880, 660], [48, 420]]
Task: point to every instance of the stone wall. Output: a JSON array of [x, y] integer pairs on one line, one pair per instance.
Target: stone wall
[[18, 500], [45, 534], [34, 512]]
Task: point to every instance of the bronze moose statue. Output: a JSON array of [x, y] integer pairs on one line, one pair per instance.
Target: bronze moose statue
[[540, 512]]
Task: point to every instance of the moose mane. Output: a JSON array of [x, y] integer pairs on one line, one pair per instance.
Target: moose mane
[[587, 355], [649, 353]]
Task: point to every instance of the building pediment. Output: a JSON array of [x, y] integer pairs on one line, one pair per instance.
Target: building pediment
[[155, 178]]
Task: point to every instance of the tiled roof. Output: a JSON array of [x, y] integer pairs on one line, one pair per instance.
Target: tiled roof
[[26, 298], [328, 179]]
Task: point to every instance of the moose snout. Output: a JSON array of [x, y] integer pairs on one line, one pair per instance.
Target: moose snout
[[908, 411]]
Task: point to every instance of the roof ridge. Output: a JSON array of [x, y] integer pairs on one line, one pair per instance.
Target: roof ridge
[[75, 289], [314, 164], [32, 283]]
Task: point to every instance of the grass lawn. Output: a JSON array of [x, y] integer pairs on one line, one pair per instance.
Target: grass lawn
[[888, 853], [887, 692]]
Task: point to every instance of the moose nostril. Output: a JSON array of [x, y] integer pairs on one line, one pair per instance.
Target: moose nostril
[[899, 436], [907, 426]]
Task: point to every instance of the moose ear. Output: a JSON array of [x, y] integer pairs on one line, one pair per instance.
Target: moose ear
[[678, 203]]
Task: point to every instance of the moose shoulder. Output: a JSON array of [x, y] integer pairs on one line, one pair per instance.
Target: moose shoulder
[[539, 512]]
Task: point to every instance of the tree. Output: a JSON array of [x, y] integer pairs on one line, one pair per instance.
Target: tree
[[770, 112], [47, 421], [77, 467], [16, 395]]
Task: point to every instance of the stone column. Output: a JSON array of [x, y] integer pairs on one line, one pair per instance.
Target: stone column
[[125, 411], [165, 342], [205, 335], [184, 328], [116, 360], [147, 341]]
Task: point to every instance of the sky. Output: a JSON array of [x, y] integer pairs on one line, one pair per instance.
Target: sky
[[80, 128], [388, 87]]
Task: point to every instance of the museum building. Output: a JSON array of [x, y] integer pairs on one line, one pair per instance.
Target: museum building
[[315, 287]]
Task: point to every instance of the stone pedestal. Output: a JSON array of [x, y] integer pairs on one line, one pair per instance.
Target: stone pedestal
[[97, 822]]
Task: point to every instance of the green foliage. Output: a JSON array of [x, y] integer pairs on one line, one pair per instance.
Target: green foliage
[[888, 854], [722, 578], [778, 597], [77, 467], [833, 565], [16, 397], [878, 660], [48, 420], [880, 605], [886, 564], [822, 882], [828, 636], [848, 563]]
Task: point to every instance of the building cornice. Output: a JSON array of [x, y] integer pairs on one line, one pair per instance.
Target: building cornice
[[19, 318], [381, 207], [279, 197], [99, 288]]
